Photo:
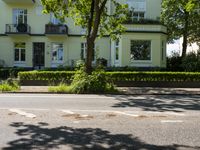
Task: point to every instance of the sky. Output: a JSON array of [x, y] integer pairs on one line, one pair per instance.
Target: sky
[[177, 47]]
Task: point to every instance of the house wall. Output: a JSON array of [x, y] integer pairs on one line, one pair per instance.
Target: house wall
[[72, 42], [155, 49]]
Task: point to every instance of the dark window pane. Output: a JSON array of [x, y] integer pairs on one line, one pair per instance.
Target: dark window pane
[[117, 53], [140, 50], [23, 55], [16, 54]]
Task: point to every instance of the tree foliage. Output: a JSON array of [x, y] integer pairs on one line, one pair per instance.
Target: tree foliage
[[182, 18], [93, 15]]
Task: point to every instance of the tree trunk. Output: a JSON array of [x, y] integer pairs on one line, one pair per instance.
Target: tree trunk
[[185, 35], [90, 47]]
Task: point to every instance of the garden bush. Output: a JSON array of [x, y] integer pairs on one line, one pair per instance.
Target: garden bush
[[114, 76], [46, 75], [9, 85], [97, 82]]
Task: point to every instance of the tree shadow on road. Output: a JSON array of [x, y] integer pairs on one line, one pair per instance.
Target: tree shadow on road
[[42, 137], [176, 103]]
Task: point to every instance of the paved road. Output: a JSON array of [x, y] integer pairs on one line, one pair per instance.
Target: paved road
[[150, 122]]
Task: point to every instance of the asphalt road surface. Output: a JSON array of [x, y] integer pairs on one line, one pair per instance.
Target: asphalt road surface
[[76, 122]]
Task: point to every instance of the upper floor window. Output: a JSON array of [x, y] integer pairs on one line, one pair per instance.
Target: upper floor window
[[136, 16], [19, 16], [140, 50], [137, 9], [54, 20], [19, 52]]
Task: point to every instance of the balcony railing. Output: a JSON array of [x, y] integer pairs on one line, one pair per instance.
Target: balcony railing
[[143, 21], [18, 29], [56, 29]]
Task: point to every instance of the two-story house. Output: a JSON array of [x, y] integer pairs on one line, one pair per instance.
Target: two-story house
[[29, 38]]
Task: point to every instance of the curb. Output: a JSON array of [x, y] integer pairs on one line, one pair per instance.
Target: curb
[[179, 94]]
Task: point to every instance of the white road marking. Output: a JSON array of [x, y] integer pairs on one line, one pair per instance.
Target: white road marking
[[23, 113], [68, 112], [167, 113], [175, 114], [100, 111], [171, 121], [126, 114]]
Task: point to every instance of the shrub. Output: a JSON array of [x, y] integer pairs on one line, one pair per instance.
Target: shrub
[[11, 72], [9, 85], [61, 88], [97, 82], [174, 62], [46, 75], [191, 62], [81, 78]]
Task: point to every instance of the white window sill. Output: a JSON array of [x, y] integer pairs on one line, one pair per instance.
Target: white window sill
[[20, 64], [141, 61], [56, 64]]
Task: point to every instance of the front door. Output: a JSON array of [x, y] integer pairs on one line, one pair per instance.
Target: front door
[[38, 55]]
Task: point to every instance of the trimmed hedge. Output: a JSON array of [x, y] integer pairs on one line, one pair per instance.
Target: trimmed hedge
[[11, 72], [115, 76], [154, 76], [46, 75]]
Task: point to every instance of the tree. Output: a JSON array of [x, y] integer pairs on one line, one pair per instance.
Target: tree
[[93, 15], [182, 20]]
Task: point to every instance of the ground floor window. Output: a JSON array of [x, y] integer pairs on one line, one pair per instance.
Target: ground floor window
[[117, 50], [57, 52], [163, 50], [140, 50], [19, 52], [84, 51]]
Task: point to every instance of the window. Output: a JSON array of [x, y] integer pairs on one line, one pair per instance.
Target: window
[[57, 52], [84, 51], [54, 20], [117, 50], [19, 16], [140, 50], [137, 16], [19, 52], [137, 9], [163, 50]]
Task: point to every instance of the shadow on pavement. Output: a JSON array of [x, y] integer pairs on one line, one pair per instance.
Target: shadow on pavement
[[176, 103], [43, 137]]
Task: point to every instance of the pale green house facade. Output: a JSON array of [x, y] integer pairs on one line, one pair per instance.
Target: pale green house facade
[[29, 38]]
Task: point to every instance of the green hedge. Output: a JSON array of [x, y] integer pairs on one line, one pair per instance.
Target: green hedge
[[11, 72], [114, 76], [46, 75], [154, 76]]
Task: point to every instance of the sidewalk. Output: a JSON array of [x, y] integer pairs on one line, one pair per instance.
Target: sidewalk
[[127, 90]]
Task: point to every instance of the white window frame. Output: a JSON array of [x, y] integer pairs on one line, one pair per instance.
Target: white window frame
[[138, 18], [20, 61], [135, 7], [84, 51], [57, 61], [54, 20], [24, 15], [163, 49], [116, 47]]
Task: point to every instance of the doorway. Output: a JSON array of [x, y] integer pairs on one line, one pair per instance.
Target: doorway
[[38, 55]]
